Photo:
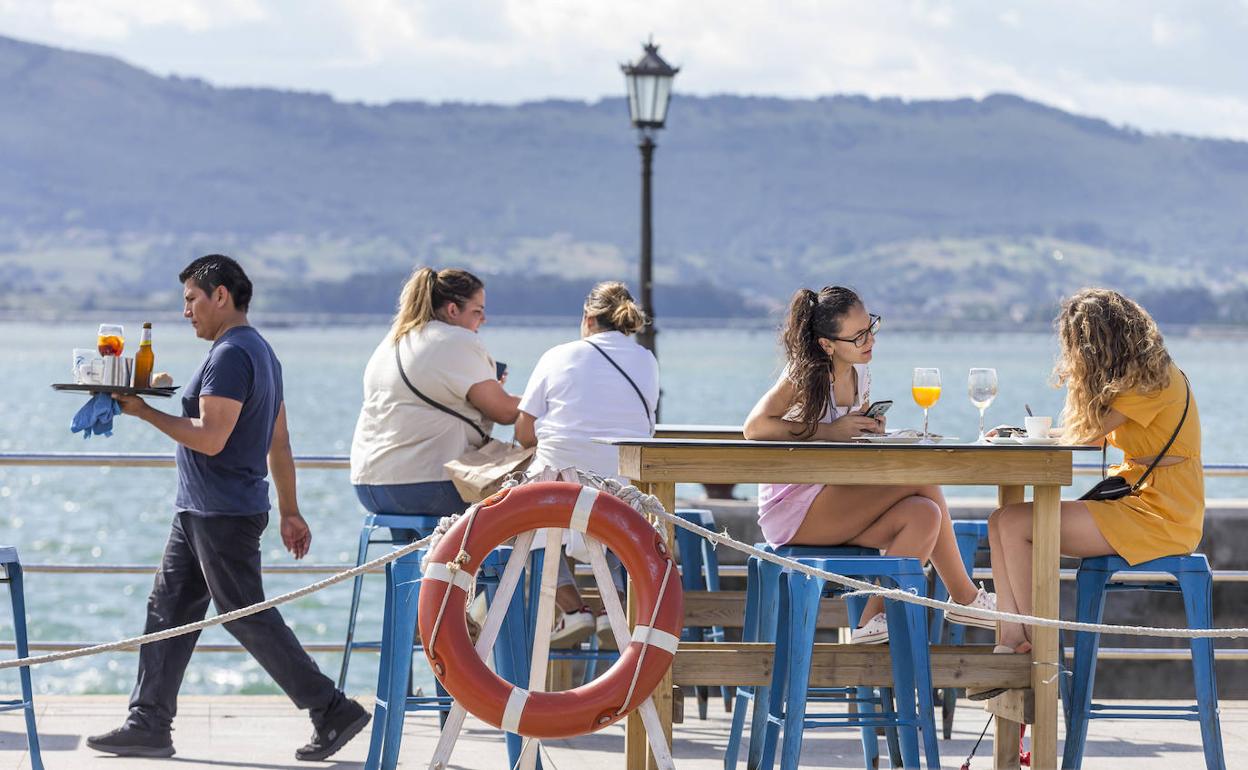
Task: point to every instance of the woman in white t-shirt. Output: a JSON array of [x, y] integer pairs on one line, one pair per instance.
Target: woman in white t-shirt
[[401, 441], [603, 384]]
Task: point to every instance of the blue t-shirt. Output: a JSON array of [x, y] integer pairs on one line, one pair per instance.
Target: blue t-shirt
[[240, 366]]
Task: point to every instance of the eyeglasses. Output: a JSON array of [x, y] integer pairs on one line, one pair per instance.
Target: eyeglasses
[[860, 338]]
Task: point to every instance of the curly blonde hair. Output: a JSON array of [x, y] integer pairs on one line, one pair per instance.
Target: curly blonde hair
[[1109, 345]]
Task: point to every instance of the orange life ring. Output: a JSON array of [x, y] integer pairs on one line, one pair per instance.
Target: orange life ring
[[591, 706]]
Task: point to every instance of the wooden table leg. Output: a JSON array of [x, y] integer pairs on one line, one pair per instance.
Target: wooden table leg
[[1005, 735], [1046, 557], [637, 754]]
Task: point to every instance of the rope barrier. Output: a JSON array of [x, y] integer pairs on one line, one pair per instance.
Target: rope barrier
[[228, 617], [650, 505]]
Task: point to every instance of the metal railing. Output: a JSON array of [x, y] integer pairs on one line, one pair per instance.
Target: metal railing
[[342, 462]]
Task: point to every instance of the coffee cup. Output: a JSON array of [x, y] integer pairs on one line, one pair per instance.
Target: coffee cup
[[1038, 427]]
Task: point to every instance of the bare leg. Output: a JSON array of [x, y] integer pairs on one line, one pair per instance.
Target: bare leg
[[894, 519], [1012, 546], [946, 558]]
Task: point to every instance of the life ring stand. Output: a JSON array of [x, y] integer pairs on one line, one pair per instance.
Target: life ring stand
[[453, 562]]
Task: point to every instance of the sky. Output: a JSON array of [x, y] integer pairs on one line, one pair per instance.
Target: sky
[[1173, 66]]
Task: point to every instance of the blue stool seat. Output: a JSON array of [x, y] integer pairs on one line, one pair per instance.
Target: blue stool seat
[[403, 578], [699, 571], [403, 529], [1192, 578], [762, 607], [972, 537], [12, 568]]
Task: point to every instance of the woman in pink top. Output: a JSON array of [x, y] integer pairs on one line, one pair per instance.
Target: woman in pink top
[[823, 396]]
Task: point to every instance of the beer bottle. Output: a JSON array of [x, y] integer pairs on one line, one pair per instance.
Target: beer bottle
[[144, 359]]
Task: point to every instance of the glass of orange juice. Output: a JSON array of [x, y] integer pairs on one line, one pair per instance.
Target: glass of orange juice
[[926, 391]]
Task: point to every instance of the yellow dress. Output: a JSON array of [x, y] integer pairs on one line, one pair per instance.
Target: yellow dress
[[1167, 516]]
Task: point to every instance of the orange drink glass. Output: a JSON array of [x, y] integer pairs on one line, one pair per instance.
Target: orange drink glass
[[111, 339], [925, 387]]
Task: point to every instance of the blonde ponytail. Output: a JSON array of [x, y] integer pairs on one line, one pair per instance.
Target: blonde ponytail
[[610, 304], [427, 291]]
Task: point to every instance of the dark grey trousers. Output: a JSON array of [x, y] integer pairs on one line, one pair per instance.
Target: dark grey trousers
[[217, 558]]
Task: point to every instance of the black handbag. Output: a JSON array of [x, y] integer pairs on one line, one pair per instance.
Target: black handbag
[[1116, 487]]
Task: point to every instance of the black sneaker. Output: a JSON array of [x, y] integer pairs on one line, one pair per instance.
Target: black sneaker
[[340, 727], [130, 741]]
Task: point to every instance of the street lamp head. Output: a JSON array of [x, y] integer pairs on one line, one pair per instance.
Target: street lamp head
[[649, 88]]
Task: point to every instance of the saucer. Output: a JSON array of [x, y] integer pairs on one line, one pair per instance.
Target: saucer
[[1039, 440], [1003, 440]]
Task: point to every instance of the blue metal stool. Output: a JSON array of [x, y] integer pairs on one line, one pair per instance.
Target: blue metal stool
[[13, 576], [762, 600], [908, 647], [972, 538], [699, 571], [1195, 581], [403, 577], [403, 529]]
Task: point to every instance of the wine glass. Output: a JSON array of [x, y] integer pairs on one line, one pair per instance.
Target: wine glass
[[926, 391], [111, 339], [981, 385]]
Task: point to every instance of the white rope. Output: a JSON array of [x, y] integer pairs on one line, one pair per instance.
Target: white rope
[[453, 567], [645, 640], [649, 504], [242, 612]]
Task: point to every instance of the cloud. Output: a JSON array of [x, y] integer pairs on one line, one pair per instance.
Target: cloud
[[118, 19], [1151, 63]]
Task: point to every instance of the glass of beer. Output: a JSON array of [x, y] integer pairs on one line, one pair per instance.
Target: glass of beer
[[926, 391], [111, 339]]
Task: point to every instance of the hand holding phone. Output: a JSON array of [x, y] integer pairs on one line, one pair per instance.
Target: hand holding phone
[[500, 371], [877, 410]]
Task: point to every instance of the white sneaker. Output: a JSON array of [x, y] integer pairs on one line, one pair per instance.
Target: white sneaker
[[875, 631], [571, 628], [982, 601]]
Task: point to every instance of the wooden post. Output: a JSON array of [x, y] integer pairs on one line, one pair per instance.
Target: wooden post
[[1005, 734], [1045, 556], [637, 754]]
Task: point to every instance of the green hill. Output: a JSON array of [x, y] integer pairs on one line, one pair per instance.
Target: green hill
[[113, 178]]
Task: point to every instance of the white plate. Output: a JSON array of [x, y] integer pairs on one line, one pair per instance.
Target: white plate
[[1040, 441], [886, 439], [1002, 440]]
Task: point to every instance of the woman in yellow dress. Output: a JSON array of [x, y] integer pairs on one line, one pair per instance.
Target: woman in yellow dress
[[1122, 387]]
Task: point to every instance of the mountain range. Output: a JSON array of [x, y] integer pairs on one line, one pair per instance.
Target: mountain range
[[113, 178]]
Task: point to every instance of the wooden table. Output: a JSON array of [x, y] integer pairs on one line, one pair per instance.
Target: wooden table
[[656, 465]]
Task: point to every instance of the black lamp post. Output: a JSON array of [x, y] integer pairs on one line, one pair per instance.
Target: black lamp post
[[649, 92]]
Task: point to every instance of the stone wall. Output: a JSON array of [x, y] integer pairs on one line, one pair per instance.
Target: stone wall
[[1225, 543]]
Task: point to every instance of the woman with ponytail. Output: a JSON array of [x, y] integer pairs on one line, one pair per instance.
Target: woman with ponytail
[[603, 384], [823, 395], [401, 440]]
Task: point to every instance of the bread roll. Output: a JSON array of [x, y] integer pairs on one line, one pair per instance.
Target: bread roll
[[162, 380]]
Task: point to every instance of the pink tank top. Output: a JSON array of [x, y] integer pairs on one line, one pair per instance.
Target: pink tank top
[[783, 507]]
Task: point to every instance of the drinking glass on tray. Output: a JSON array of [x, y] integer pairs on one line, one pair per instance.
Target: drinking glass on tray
[[111, 339]]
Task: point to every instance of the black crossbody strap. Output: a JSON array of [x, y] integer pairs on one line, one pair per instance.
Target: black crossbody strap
[[1187, 402], [399, 360], [645, 404]]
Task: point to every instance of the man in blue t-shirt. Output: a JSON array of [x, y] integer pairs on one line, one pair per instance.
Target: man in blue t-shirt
[[231, 433]]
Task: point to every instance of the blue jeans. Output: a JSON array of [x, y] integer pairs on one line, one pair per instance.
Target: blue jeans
[[428, 498]]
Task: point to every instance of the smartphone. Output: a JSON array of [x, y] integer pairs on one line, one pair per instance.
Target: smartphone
[[877, 409], [500, 369]]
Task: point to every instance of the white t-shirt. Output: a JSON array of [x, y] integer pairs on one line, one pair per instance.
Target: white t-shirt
[[575, 394], [399, 439]]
